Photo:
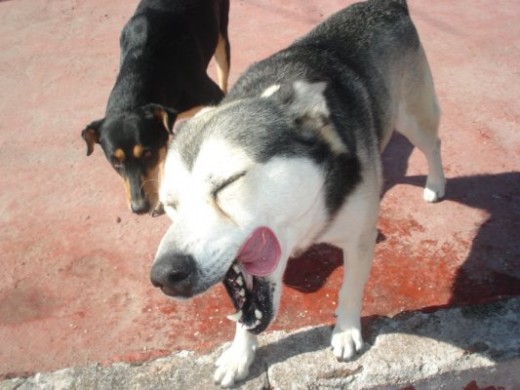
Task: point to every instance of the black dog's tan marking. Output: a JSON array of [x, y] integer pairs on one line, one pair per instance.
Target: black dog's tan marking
[[119, 156], [165, 50]]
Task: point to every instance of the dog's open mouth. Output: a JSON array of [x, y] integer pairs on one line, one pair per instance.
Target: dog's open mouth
[[245, 282]]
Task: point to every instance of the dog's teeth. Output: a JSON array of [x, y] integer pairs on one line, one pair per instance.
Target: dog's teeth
[[235, 317], [240, 281], [242, 292], [258, 314], [249, 281], [236, 268], [254, 325]]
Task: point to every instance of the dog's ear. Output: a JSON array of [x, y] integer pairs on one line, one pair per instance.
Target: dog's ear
[[90, 135], [166, 116], [307, 106], [304, 101]]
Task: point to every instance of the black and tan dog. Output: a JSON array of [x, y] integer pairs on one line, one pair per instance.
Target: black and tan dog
[[165, 50]]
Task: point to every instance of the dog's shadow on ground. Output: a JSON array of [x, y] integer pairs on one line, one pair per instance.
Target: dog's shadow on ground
[[309, 272], [491, 268]]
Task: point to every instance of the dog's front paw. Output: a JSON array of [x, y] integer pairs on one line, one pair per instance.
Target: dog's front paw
[[346, 341], [233, 365]]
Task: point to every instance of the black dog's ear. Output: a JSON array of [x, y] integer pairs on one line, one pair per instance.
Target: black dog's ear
[[91, 135], [164, 115]]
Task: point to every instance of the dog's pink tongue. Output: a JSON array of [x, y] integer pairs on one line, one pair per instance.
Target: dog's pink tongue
[[261, 252]]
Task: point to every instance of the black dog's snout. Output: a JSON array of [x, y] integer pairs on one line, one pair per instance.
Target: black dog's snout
[[140, 205], [174, 274]]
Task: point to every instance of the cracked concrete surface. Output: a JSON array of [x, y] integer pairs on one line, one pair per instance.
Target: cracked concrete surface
[[474, 347]]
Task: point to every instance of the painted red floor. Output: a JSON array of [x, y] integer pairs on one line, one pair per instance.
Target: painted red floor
[[74, 286]]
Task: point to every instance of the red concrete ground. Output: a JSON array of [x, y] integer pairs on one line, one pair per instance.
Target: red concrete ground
[[74, 287]]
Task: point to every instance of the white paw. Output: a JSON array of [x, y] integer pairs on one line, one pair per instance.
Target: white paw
[[233, 365], [346, 341], [433, 192]]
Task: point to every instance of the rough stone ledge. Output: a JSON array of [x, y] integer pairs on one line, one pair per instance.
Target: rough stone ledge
[[458, 348]]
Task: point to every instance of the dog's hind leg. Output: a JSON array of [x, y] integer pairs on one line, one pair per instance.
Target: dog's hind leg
[[234, 363], [358, 231], [223, 50], [222, 57], [418, 119]]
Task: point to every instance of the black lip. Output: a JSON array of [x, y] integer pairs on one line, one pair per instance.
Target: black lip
[[258, 299], [167, 291], [175, 294]]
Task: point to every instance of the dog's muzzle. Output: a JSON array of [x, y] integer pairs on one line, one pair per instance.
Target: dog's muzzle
[[174, 274]]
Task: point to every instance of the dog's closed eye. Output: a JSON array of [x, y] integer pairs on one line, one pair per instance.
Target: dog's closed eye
[[220, 186], [171, 204]]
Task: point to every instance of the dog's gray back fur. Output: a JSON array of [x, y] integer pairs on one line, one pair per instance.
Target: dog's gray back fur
[[357, 52]]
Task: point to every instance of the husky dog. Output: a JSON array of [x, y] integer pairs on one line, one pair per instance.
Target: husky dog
[[291, 157]]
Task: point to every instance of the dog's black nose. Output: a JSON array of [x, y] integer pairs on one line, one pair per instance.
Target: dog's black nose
[[140, 205], [174, 274]]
